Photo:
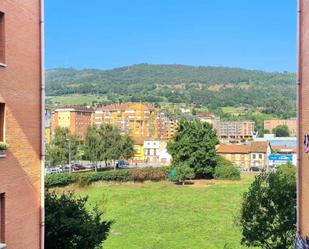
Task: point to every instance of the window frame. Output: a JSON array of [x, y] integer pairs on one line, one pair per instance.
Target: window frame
[[2, 40]]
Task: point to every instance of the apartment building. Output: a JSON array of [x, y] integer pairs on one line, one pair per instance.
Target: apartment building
[[21, 125], [237, 130], [136, 119], [247, 156], [76, 119], [273, 123], [211, 119], [303, 115], [156, 152]]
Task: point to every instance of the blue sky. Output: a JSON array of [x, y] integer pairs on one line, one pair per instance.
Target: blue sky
[[255, 34]]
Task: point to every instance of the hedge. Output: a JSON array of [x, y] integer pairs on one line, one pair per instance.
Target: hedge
[[122, 175], [226, 170]]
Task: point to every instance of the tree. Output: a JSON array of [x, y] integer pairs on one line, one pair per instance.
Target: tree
[[70, 225], [183, 172], [106, 143], [268, 214], [93, 145], [281, 131], [194, 144], [63, 146]]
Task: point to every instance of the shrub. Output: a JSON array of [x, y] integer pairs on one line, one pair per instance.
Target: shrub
[[226, 170], [183, 172], [59, 180], [149, 174], [69, 224], [123, 175], [3, 146], [268, 214]]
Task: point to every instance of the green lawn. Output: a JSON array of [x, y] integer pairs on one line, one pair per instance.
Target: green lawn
[[166, 216], [76, 99]]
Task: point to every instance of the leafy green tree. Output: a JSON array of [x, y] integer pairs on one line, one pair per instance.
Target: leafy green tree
[[281, 131], [70, 225], [93, 145], [183, 172], [194, 144], [63, 146], [106, 143], [268, 214]]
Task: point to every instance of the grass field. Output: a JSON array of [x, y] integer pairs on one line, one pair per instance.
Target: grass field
[[167, 216], [76, 99]]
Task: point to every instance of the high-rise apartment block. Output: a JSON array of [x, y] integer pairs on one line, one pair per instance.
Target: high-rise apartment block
[[136, 119], [236, 130], [76, 119]]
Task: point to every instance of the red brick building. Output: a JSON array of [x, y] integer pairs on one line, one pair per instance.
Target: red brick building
[[76, 119], [21, 77]]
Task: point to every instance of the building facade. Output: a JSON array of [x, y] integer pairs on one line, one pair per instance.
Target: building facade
[[247, 156], [136, 119], [237, 130], [21, 125], [273, 123], [76, 119], [155, 153], [303, 119]]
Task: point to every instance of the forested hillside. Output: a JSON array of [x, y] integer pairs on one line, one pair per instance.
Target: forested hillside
[[212, 87]]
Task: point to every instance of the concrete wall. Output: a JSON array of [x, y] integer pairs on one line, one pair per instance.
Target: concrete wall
[[20, 91]]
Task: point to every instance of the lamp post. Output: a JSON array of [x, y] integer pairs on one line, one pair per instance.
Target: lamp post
[[70, 169]]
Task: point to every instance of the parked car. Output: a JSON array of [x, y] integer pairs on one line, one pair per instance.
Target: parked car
[[255, 169], [77, 167], [54, 170], [66, 168], [122, 165]]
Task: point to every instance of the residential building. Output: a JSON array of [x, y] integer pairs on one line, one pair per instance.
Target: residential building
[[237, 130], [211, 119], [170, 128], [76, 119], [273, 123], [303, 116], [247, 156], [21, 125], [239, 154], [136, 119], [155, 152], [47, 126]]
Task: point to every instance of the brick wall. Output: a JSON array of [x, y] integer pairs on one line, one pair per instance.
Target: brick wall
[[304, 119], [20, 90]]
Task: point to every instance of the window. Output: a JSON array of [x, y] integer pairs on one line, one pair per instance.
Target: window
[[2, 121], [260, 156], [254, 156], [2, 218], [2, 39]]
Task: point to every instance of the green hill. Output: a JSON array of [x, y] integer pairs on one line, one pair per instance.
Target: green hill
[[212, 87]]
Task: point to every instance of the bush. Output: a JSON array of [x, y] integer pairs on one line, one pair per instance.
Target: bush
[[69, 224], [268, 214], [59, 180], [226, 170], [3, 146], [183, 172], [148, 174], [123, 175]]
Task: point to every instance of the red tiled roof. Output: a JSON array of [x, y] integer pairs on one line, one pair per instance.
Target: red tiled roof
[[233, 148]]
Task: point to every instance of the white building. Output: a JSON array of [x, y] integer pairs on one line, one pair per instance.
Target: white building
[[155, 152]]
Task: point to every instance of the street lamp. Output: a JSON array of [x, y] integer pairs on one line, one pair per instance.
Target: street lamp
[[70, 170]]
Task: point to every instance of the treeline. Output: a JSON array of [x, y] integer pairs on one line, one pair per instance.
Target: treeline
[[212, 87]]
